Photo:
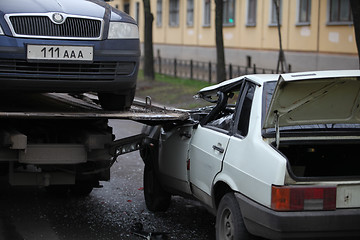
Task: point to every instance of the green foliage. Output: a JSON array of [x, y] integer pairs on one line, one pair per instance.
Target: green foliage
[[196, 84], [171, 91]]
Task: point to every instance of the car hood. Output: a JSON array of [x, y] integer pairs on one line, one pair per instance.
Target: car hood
[[92, 8], [326, 97]]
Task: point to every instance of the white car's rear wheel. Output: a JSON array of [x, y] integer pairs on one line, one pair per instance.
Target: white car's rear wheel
[[229, 221]]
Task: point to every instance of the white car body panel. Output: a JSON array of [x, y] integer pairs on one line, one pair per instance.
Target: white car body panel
[[255, 171], [205, 161]]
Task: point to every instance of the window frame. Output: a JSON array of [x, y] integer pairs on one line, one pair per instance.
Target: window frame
[[272, 14], [251, 13], [137, 12], [206, 13], [126, 7], [190, 13], [338, 21], [307, 20], [159, 13], [174, 13], [233, 130], [229, 8], [240, 107]]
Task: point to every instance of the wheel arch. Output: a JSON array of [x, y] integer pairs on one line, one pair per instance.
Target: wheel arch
[[222, 184], [219, 190]]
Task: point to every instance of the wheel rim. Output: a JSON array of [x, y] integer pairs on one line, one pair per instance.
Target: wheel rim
[[226, 225]]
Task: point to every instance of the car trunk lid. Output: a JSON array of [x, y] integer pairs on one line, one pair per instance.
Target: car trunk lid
[[328, 97]]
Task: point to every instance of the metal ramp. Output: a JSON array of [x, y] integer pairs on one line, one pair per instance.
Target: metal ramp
[[84, 106]]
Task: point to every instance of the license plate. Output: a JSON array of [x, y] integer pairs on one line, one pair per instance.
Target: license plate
[[59, 53]]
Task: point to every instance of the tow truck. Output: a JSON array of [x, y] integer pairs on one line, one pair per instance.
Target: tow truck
[[64, 142]]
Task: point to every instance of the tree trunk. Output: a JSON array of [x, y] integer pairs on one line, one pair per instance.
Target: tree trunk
[[281, 59], [148, 42], [220, 55], [355, 8]]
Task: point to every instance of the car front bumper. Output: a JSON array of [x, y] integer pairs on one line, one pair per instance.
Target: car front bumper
[[264, 222], [113, 69]]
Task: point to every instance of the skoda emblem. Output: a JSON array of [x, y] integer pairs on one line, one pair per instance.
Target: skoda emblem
[[58, 18]]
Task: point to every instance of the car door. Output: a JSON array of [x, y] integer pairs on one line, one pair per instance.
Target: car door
[[208, 147], [206, 154]]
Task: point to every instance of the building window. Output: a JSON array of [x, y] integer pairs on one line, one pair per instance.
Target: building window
[[137, 12], [159, 13], [229, 12], [174, 13], [340, 12], [304, 12], [251, 13], [273, 15], [207, 13], [190, 13], [127, 8]]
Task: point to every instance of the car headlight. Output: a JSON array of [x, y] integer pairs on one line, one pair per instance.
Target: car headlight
[[1, 31], [121, 30]]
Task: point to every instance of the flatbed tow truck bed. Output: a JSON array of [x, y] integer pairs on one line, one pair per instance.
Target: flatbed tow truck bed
[[64, 142], [58, 105]]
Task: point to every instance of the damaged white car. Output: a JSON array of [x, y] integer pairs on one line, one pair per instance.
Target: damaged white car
[[276, 157]]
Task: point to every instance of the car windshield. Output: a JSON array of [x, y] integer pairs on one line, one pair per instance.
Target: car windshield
[[268, 91]]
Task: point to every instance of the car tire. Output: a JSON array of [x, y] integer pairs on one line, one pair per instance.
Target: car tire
[[114, 101], [229, 221], [156, 198]]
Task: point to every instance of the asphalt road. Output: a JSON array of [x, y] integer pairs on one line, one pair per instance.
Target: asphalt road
[[113, 212]]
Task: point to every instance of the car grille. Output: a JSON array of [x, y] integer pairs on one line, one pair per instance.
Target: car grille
[[42, 26], [97, 71]]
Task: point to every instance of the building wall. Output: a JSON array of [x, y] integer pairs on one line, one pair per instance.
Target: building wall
[[304, 37], [312, 43]]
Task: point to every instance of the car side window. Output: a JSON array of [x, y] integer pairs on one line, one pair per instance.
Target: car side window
[[224, 119], [245, 110], [224, 122]]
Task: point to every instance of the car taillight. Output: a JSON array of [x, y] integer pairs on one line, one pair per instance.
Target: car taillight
[[298, 198]]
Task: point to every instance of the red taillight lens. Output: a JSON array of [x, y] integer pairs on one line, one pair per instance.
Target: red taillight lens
[[298, 198]]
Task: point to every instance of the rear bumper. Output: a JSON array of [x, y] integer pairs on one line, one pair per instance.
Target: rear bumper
[[264, 222], [114, 67]]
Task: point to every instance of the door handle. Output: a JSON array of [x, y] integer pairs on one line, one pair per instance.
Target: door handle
[[219, 149]]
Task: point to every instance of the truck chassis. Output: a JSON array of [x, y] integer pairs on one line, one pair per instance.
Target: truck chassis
[[64, 142]]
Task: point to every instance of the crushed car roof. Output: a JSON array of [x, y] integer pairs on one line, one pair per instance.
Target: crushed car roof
[[258, 79], [305, 98]]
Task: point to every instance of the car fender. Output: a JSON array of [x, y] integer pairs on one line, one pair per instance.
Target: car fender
[[253, 179]]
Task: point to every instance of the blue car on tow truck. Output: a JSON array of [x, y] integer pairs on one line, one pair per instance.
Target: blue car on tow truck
[[72, 46]]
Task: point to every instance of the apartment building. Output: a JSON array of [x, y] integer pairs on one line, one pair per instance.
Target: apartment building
[[316, 34]]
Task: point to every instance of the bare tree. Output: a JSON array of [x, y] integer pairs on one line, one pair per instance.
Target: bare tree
[[148, 42], [281, 60], [220, 55], [355, 8]]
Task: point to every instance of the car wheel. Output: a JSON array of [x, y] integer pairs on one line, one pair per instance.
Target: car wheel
[[156, 198], [229, 221], [113, 101]]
